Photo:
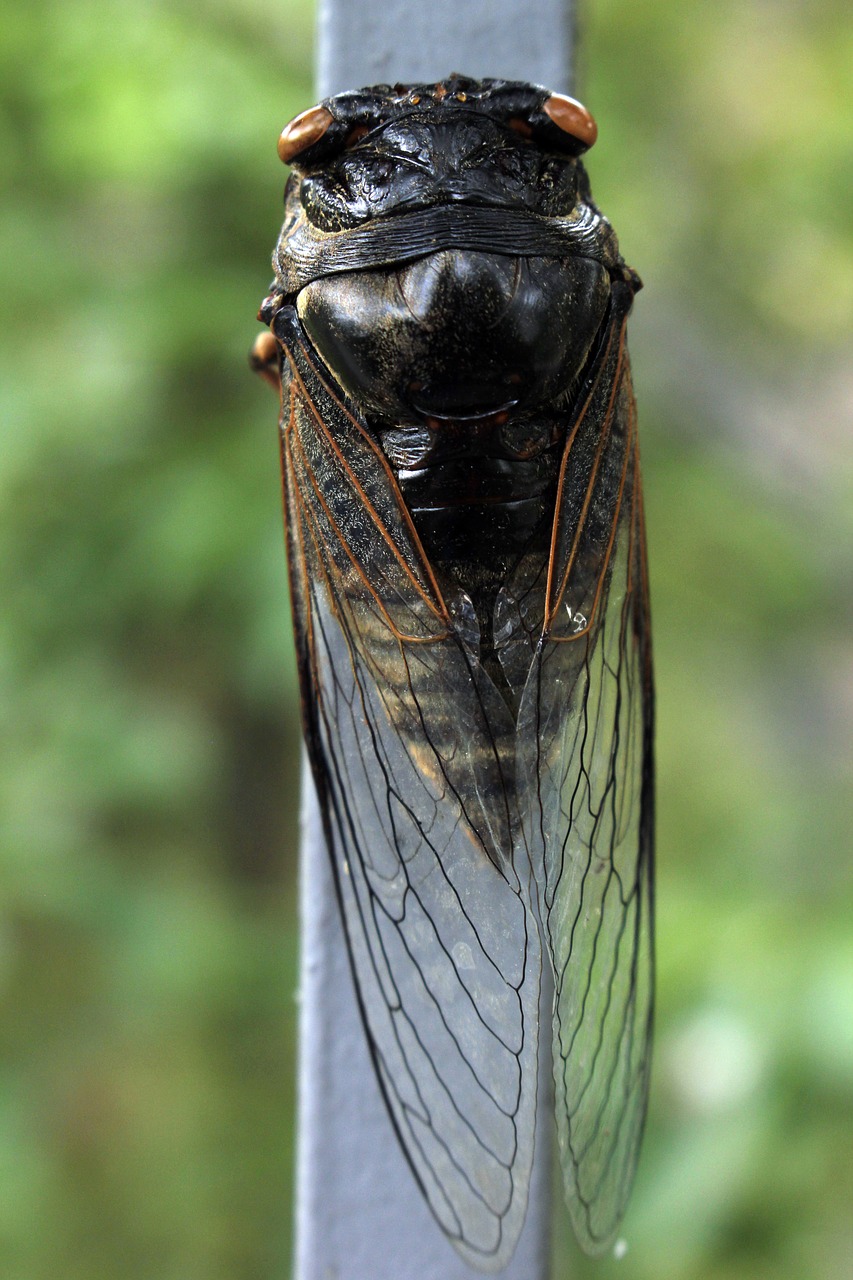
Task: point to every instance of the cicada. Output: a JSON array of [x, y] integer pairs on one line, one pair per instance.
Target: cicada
[[470, 595]]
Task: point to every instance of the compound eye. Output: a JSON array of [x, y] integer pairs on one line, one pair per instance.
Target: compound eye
[[572, 117], [302, 132]]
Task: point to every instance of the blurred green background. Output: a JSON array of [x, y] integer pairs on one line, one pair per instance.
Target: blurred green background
[[148, 946]]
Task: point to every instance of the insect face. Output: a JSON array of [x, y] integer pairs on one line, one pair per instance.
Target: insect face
[[450, 157]]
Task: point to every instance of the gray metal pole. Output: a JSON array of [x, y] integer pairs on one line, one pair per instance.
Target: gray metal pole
[[363, 42], [359, 1212]]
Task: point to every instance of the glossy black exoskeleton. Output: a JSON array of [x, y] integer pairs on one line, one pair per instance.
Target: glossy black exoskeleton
[[468, 573]]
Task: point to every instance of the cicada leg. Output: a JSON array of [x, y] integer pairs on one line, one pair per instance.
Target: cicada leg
[[264, 359]]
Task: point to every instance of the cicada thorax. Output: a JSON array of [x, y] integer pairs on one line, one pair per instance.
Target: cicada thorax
[[463, 365]]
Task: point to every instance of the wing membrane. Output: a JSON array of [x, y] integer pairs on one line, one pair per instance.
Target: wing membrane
[[412, 751], [587, 711]]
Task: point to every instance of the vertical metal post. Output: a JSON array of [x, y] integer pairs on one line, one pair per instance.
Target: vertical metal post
[[359, 1212]]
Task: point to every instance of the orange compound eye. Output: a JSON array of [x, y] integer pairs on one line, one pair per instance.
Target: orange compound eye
[[302, 132], [572, 117]]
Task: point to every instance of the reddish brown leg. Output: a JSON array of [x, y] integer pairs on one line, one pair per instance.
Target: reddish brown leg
[[264, 359]]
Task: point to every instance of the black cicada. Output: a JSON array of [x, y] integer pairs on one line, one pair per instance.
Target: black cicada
[[470, 595]]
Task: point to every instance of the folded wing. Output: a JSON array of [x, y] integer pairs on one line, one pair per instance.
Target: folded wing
[[412, 752], [587, 712]]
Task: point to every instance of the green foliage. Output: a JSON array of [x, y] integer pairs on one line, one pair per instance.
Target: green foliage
[[149, 781], [150, 742]]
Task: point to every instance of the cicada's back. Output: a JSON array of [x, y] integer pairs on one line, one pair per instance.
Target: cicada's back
[[467, 559]]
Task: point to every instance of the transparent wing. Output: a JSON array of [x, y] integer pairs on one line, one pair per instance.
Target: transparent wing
[[587, 711], [412, 750]]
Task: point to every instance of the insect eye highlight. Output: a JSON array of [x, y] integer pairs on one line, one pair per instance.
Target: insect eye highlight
[[302, 132], [572, 117]]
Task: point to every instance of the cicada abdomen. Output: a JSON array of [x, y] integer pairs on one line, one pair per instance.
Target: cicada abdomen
[[470, 595]]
